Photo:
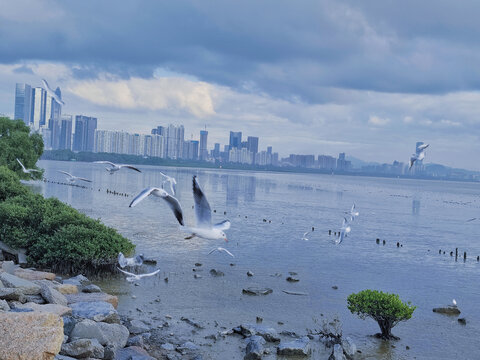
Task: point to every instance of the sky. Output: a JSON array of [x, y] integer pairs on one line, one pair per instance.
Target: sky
[[369, 78]]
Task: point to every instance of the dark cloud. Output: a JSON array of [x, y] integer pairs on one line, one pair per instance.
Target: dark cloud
[[23, 70]]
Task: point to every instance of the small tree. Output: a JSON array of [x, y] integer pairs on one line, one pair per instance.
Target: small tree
[[386, 309]]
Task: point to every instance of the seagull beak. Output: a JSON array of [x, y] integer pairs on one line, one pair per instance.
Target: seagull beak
[[226, 240]]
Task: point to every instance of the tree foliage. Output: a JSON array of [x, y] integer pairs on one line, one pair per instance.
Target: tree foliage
[[17, 142], [386, 309]]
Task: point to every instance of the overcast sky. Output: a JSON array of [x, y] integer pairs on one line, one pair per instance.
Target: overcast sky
[[369, 78]]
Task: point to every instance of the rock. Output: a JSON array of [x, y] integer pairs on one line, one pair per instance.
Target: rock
[[168, 347], [254, 350], [95, 310], [247, 330], [78, 280], [12, 294], [63, 357], [92, 297], [337, 353], [197, 276], [83, 348], [193, 323], [91, 289], [462, 321], [198, 264], [149, 261], [12, 281], [19, 253], [68, 324], [30, 336], [106, 334], [215, 272], [4, 306], [257, 291], [449, 310], [136, 341], [292, 279], [60, 310], [298, 347], [137, 327], [188, 345], [37, 299], [34, 275], [66, 289], [249, 273], [52, 296], [349, 348], [9, 267], [132, 353], [335, 287]]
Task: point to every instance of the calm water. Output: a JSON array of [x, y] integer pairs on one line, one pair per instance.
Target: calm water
[[424, 216]]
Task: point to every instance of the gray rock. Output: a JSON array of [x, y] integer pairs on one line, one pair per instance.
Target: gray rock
[[9, 267], [298, 347], [63, 357], [83, 348], [168, 347], [257, 291], [137, 327], [449, 310], [106, 334], [77, 280], [337, 353], [215, 272], [190, 322], [132, 353], [254, 350], [91, 289], [51, 295], [188, 345], [349, 348], [12, 294], [136, 341], [68, 324], [269, 334], [462, 321], [4, 306], [37, 299], [15, 309], [249, 273], [95, 310], [292, 279], [12, 281]]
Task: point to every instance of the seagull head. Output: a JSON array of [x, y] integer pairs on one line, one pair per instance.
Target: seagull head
[[224, 236]]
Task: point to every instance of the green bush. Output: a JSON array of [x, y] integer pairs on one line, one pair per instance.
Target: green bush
[[386, 309]]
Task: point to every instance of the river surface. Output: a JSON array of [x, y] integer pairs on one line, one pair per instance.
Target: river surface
[[423, 216]]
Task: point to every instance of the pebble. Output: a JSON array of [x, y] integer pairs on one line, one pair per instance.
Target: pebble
[[249, 273]]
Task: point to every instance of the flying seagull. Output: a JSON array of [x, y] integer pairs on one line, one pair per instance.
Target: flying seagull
[[115, 167], [73, 178], [419, 154], [220, 249], [345, 229], [26, 171], [203, 228], [171, 181], [134, 277], [52, 93], [353, 213], [304, 237], [133, 261]]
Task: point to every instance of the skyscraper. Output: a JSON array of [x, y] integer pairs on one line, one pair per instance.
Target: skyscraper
[[53, 110], [203, 145], [252, 145], [85, 127], [23, 102], [39, 97], [65, 141], [175, 140], [235, 140]]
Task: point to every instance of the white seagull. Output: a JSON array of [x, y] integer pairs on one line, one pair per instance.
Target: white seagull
[[73, 178], [26, 171], [135, 277], [220, 249], [204, 228], [171, 181], [353, 213], [115, 167], [419, 154], [343, 231], [52, 93], [304, 237], [454, 302], [133, 261]]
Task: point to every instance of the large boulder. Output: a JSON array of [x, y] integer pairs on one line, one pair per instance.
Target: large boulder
[[137, 327], [106, 334], [83, 348], [298, 347], [92, 297], [254, 350], [60, 310], [26, 286], [132, 353], [30, 336], [33, 275], [51, 295], [66, 288], [268, 333], [12, 294], [78, 280], [95, 310], [4, 306]]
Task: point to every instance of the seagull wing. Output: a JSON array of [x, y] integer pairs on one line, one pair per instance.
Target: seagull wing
[[23, 167], [142, 195], [130, 167], [421, 155], [225, 250], [126, 272], [83, 179], [66, 173], [171, 201], [423, 147], [105, 162], [202, 207], [342, 235], [211, 251], [121, 260], [149, 274], [172, 186], [224, 225]]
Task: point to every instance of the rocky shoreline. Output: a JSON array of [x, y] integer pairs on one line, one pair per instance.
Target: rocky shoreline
[[43, 316]]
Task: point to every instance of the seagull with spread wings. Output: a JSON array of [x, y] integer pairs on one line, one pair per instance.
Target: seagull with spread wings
[[25, 170], [52, 93], [73, 178], [203, 214], [115, 167], [171, 181], [344, 230], [135, 277]]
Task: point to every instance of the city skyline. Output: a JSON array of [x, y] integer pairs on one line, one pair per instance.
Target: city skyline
[[346, 76]]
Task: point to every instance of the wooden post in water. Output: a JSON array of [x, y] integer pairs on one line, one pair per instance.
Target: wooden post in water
[[329, 232], [398, 244], [440, 251], [384, 242], [378, 241], [456, 254], [464, 256]]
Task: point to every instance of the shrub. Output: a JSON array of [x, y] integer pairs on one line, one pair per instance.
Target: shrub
[[386, 309]]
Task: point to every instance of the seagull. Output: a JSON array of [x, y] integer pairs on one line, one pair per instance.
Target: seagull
[[352, 213], [133, 261], [170, 180], [52, 93], [343, 231], [115, 167], [134, 277], [26, 171], [422, 147], [304, 236], [419, 154], [73, 178], [219, 249], [204, 228]]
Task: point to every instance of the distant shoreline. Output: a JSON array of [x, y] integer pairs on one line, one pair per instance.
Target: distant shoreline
[[67, 155]]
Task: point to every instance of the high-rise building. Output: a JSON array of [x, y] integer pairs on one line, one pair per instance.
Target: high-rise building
[[216, 150], [269, 149], [191, 150], [39, 97], [252, 145], [53, 110], [84, 139], [65, 140], [23, 102], [327, 162], [175, 139], [341, 163], [203, 145], [235, 140], [159, 130]]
